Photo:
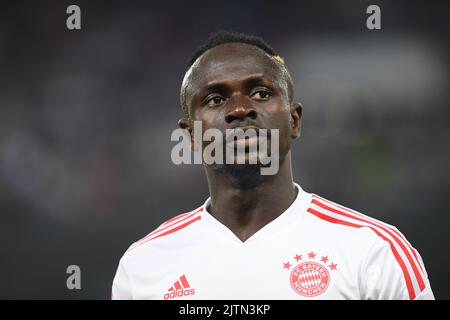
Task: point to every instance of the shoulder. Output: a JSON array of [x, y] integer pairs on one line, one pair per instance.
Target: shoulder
[[384, 243], [168, 232], [353, 222], [373, 230]]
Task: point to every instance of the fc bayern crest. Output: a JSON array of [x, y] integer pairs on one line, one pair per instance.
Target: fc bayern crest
[[310, 277]]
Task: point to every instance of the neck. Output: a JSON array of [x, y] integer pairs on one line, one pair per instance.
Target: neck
[[245, 201]]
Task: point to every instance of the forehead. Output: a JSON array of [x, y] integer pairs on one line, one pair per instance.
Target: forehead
[[231, 62]]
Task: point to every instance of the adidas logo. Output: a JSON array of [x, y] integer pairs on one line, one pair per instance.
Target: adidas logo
[[179, 289]]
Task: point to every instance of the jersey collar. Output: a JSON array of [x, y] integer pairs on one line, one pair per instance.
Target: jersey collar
[[291, 215]]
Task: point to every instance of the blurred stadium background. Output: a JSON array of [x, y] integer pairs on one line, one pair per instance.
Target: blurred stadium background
[[86, 118]]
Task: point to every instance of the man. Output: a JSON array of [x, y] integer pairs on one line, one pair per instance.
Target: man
[[262, 236]]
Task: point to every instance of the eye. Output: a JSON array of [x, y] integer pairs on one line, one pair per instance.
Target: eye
[[261, 95], [214, 101]]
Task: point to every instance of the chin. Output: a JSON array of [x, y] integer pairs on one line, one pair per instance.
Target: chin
[[242, 176]]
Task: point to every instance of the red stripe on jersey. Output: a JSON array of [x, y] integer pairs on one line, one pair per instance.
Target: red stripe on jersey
[[397, 240], [179, 227], [184, 282], [187, 216], [409, 284], [375, 221], [175, 218]]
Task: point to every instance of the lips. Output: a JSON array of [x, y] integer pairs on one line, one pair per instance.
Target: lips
[[240, 133], [248, 137]]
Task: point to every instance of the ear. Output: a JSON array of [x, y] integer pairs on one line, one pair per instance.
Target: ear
[[296, 119], [186, 124]]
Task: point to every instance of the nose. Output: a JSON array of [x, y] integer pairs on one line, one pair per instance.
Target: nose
[[240, 110]]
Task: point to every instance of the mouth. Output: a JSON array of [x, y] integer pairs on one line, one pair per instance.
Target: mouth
[[246, 136], [241, 133]]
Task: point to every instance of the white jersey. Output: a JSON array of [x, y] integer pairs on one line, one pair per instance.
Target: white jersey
[[316, 249]]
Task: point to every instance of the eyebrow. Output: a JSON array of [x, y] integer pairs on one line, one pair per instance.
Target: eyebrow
[[249, 80], [215, 86]]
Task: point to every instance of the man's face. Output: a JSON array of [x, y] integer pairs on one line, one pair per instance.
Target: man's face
[[238, 85]]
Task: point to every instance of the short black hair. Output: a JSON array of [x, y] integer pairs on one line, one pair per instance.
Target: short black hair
[[226, 36]]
